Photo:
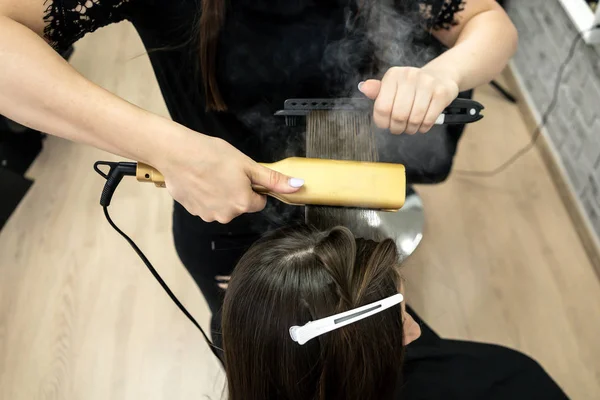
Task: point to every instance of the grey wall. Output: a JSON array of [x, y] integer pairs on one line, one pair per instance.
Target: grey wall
[[545, 36]]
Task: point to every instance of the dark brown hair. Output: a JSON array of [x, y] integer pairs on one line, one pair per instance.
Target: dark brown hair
[[211, 21], [298, 274]]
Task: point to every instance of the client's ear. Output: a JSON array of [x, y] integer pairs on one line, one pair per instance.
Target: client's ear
[[412, 330]]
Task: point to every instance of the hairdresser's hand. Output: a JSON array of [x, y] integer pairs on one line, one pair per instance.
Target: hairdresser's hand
[[212, 179], [409, 100]]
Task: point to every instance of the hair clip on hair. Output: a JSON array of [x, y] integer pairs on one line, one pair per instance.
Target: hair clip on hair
[[312, 329]]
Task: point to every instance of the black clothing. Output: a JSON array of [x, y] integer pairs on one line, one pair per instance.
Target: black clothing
[[460, 370], [436, 368], [273, 50]]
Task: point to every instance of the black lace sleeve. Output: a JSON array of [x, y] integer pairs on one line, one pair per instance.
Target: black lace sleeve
[[67, 21], [440, 14]]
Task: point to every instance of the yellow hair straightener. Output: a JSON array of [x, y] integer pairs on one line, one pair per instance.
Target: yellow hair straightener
[[373, 185]]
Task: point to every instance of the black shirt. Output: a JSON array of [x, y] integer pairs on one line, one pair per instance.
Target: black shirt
[[268, 51]]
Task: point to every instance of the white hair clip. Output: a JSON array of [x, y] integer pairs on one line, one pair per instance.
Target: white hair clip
[[312, 329]]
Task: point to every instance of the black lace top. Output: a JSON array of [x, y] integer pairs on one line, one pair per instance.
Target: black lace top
[[69, 20], [269, 50]]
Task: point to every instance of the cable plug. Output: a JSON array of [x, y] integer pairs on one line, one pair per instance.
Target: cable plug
[[116, 172]]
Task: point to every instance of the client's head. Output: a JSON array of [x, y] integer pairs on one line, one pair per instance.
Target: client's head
[[299, 274]]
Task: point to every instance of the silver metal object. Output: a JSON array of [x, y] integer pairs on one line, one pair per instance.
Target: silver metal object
[[405, 226]]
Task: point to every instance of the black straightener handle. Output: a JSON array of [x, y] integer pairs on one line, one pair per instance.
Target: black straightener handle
[[460, 111]]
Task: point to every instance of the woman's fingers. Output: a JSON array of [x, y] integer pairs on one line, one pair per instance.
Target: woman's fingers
[[423, 98], [223, 281], [409, 100], [403, 104], [213, 180], [273, 180], [439, 102], [384, 103], [370, 88]]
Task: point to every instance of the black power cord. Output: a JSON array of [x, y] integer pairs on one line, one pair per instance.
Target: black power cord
[[117, 170], [538, 130]]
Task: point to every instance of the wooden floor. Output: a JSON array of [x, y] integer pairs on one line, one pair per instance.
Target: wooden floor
[[81, 318]]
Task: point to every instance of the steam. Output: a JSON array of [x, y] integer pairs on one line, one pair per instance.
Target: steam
[[397, 37], [377, 35], [271, 139], [380, 36]]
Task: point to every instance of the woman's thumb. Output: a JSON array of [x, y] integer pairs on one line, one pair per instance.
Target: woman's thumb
[[274, 181], [370, 88]]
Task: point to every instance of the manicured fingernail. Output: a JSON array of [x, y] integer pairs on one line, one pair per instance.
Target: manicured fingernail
[[360, 85], [296, 182], [223, 286]]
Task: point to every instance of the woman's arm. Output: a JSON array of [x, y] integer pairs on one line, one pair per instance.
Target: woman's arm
[[481, 44], [39, 89], [482, 40]]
